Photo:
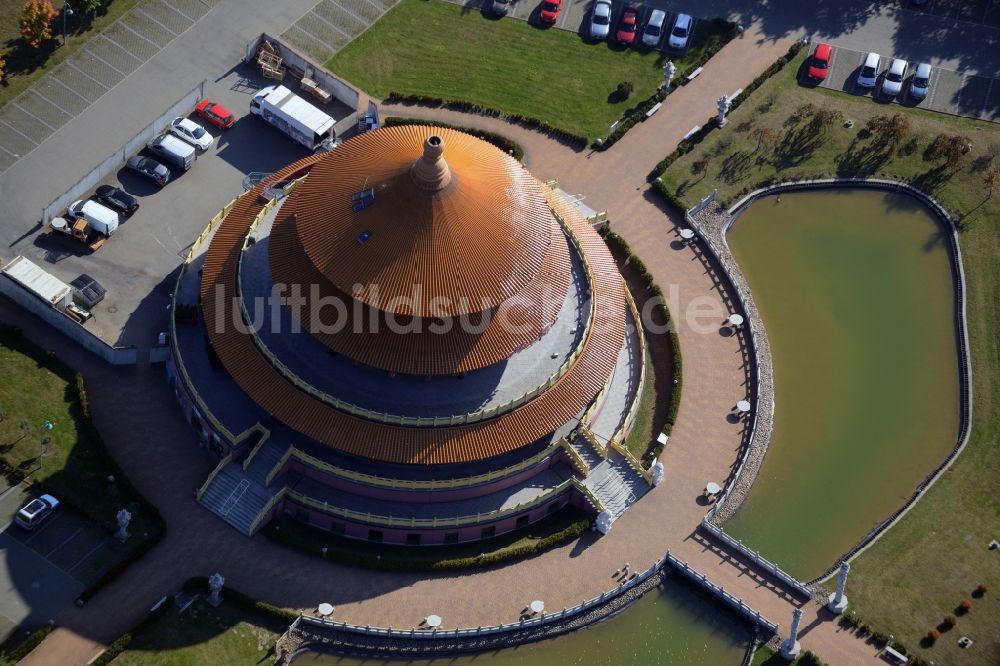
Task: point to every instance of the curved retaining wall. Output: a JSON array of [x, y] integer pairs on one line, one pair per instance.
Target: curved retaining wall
[[965, 363]]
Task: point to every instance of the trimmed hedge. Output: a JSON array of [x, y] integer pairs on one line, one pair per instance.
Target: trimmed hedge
[[345, 556], [27, 645], [502, 142], [619, 244], [629, 119], [571, 139], [122, 642], [729, 32], [199, 585], [687, 145], [159, 525]]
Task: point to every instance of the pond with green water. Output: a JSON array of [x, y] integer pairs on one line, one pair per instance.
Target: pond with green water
[[856, 293], [672, 624]]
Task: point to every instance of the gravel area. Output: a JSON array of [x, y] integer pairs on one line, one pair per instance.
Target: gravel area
[[711, 224]]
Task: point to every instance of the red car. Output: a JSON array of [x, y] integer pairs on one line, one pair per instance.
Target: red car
[[549, 11], [819, 65], [216, 114], [627, 26]]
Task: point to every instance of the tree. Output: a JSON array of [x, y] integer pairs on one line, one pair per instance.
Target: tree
[[700, 166], [3, 65], [992, 179], [823, 117], [36, 21], [84, 6], [892, 130], [766, 138], [952, 148]]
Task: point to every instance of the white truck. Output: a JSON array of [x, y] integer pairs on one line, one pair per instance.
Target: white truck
[[294, 116]]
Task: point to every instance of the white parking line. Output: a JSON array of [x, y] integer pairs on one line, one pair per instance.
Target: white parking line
[[148, 41], [51, 103], [97, 57], [935, 77], [178, 11], [87, 556], [69, 63], [44, 527], [30, 140], [120, 47], [312, 36], [138, 10], [55, 80], [330, 24], [32, 115], [958, 95], [66, 541]]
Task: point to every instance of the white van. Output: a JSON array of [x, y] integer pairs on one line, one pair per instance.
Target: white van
[[178, 153], [681, 33], [869, 71], [102, 219], [653, 32]]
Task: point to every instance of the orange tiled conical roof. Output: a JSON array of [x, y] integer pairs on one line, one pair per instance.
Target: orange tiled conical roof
[[451, 213]]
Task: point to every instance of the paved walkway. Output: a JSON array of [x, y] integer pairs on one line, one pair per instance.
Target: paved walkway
[[147, 435]]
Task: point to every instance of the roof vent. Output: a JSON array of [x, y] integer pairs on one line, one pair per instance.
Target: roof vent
[[362, 199], [430, 172]]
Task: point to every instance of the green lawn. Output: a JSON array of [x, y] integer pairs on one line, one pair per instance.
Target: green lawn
[[936, 556], [441, 50], [223, 636], [25, 64], [36, 389]]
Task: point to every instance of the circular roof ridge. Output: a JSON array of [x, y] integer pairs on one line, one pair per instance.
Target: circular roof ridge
[[386, 218]]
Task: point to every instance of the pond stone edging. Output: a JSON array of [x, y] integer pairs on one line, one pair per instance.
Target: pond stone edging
[[712, 226]]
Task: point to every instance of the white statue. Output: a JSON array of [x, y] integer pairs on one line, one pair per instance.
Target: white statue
[[657, 472], [669, 69], [604, 521], [215, 583], [124, 518], [723, 104]]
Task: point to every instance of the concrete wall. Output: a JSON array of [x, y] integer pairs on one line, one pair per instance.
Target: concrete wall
[[340, 89], [65, 325], [113, 162]]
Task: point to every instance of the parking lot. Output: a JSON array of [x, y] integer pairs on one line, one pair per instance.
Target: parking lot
[[99, 66], [950, 92], [44, 571]]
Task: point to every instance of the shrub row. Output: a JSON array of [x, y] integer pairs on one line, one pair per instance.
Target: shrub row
[[199, 585], [863, 629], [122, 642], [27, 645], [505, 144], [575, 140], [159, 526], [628, 120], [617, 243], [687, 145], [368, 560]]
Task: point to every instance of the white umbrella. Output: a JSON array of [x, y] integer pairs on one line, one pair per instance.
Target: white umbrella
[[537, 606], [712, 488], [433, 620], [325, 609], [743, 406]]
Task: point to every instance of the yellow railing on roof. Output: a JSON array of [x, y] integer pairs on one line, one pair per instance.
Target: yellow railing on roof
[[215, 472]]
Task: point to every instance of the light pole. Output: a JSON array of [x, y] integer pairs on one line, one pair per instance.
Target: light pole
[[66, 11], [43, 440]]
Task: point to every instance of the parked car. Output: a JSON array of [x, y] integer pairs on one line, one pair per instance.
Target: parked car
[[892, 84], [627, 25], [600, 19], [653, 32], [819, 65], [500, 7], [117, 199], [869, 71], [548, 13], [192, 132], [149, 168], [98, 215], [216, 114], [34, 513], [921, 81], [681, 33], [178, 153]]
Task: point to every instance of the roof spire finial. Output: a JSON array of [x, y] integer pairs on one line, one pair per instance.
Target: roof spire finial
[[430, 172]]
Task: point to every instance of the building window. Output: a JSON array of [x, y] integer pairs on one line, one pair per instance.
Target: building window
[[451, 537], [338, 528], [375, 535], [522, 522], [489, 532], [412, 539]]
